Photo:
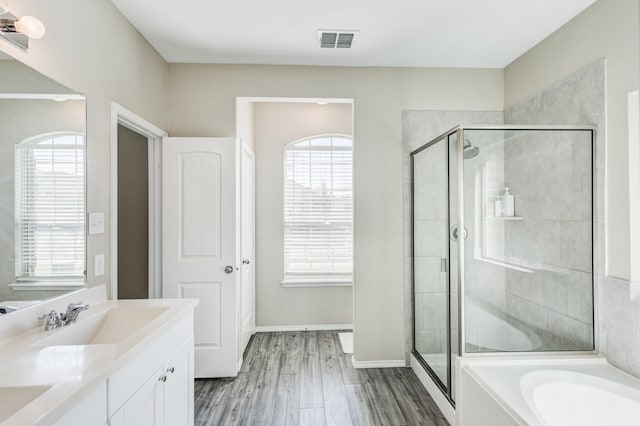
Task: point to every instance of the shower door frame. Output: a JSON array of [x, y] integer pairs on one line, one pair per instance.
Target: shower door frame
[[445, 388], [459, 132]]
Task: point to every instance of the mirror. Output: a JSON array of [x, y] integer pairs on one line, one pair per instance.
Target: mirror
[[42, 187]]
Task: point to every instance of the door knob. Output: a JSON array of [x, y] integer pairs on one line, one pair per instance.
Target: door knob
[[228, 269], [245, 261]]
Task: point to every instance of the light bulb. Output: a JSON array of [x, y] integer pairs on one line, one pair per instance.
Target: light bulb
[[4, 6], [30, 26]]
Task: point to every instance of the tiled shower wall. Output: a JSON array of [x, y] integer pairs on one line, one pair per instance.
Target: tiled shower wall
[[418, 128], [580, 99], [558, 295], [551, 174]]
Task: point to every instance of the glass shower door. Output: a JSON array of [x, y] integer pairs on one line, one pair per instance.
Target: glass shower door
[[430, 260]]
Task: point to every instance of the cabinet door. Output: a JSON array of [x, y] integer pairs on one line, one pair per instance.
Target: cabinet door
[[91, 410], [178, 388], [144, 408]]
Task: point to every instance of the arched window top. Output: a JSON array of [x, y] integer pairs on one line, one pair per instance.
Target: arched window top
[[53, 140], [336, 142]]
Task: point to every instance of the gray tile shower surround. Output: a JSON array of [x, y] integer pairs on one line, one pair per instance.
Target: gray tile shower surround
[[578, 99]]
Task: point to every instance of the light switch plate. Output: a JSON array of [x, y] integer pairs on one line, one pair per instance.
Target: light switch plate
[[96, 223], [98, 265]]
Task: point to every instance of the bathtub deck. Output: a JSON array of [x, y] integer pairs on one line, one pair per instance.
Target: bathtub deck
[[498, 390], [293, 378]]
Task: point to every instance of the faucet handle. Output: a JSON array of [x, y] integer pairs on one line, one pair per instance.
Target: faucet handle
[[49, 316], [78, 305], [53, 320]]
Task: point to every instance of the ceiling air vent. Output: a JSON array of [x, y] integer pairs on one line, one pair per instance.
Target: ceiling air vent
[[336, 39]]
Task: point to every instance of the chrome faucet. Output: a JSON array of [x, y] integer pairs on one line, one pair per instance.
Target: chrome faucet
[[72, 312], [56, 320]]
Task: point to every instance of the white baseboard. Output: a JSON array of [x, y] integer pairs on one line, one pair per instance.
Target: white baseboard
[[329, 327], [393, 363], [441, 401]]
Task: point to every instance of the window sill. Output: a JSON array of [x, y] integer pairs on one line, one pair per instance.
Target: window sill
[[315, 283], [46, 285]]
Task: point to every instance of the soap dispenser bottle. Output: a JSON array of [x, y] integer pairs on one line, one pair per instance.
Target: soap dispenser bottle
[[498, 208], [508, 204]]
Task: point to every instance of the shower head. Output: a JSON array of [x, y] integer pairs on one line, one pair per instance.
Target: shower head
[[468, 150]]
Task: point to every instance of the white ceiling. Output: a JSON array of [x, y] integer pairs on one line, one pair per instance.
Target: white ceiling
[[409, 33]]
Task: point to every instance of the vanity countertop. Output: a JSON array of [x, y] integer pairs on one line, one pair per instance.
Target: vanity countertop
[[62, 370]]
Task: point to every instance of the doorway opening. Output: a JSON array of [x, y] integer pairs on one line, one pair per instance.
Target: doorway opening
[[133, 214], [136, 215], [304, 199]]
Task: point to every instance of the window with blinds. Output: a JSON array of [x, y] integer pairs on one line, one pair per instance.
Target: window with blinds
[[50, 208], [318, 211]]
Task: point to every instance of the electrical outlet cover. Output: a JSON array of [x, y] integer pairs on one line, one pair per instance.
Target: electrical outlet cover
[[98, 265]]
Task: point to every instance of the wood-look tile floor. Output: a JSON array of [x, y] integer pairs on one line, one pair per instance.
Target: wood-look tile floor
[[303, 378]]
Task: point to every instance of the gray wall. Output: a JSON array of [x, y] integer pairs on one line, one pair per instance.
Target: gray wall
[[133, 215], [110, 62], [276, 125], [202, 104]]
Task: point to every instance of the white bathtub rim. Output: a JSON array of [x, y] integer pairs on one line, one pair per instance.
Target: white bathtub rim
[[607, 383], [508, 408], [515, 405], [507, 394]]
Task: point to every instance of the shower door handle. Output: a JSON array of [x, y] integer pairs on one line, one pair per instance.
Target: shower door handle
[[453, 233]]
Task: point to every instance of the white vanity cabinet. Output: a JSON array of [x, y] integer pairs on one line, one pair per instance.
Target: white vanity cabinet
[[178, 392], [124, 362], [91, 410], [144, 407], [155, 388]]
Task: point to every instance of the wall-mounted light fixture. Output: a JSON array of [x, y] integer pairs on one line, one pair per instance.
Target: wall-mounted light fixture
[[19, 30]]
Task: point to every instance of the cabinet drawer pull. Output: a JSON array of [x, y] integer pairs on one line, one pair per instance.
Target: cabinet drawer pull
[[171, 369], [163, 379]]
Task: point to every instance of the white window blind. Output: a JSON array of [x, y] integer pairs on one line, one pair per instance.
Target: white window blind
[[50, 207], [318, 210]]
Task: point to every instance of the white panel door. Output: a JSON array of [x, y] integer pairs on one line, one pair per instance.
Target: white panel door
[[248, 243], [199, 244]]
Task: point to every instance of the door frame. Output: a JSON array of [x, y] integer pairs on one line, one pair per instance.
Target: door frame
[[243, 147], [123, 117]]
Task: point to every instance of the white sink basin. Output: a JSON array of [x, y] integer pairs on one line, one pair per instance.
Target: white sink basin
[[14, 398], [108, 327]]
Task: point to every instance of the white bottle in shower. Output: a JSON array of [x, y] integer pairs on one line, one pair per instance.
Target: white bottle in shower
[[499, 207], [508, 204]]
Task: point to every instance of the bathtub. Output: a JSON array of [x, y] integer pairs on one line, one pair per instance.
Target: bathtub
[[489, 331], [574, 391]]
